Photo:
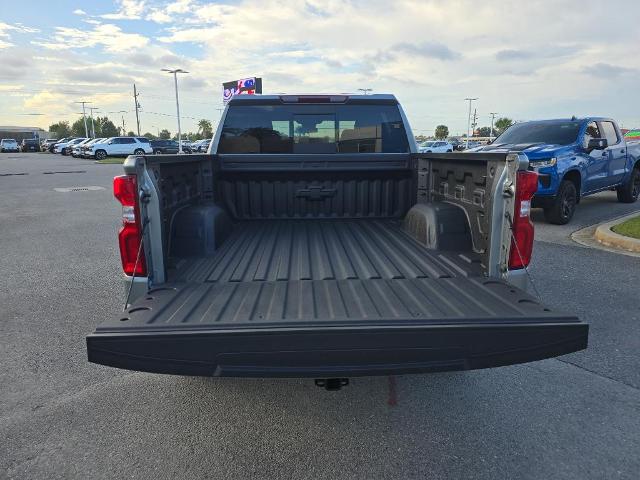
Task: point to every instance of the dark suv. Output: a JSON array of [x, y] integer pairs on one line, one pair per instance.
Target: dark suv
[[167, 146], [30, 145]]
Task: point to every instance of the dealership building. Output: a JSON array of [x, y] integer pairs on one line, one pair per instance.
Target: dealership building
[[21, 133]]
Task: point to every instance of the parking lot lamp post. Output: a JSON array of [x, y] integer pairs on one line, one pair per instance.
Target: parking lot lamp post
[[93, 126], [469, 119], [493, 116], [175, 73], [365, 90]]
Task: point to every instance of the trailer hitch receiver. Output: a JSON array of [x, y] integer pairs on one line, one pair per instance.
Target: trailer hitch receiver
[[332, 384]]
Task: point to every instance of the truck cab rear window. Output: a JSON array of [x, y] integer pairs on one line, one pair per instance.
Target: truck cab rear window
[[317, 129]]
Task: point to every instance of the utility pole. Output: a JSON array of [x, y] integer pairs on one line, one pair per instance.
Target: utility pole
[[365, 90], [84, 117], [469, 119], [175, 73], [493, 116], [137, 104], [93, 126]]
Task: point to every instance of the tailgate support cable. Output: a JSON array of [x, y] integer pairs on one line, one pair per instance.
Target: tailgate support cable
[[135, 265], [526, 269]]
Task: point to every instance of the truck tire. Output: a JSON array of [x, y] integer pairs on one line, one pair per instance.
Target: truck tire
[[101, 154], [629, 192], [564, 206]]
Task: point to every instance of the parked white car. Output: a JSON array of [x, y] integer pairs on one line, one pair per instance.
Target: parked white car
[[77, 148], [9, 145], [85, 148], [201, 146], [65, 147], [435, 146], [120, 146]]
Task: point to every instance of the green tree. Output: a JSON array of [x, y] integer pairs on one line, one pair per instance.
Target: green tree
[[502, 124], [77, 127], [149, 135], [165, 134], [442, 132], [484, 131], [105, 128], [205, 128], [130, 134], [60, 129]]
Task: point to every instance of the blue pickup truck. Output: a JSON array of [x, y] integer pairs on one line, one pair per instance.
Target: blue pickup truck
[[574, 157]]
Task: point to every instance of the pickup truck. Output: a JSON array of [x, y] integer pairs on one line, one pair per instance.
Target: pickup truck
[[574, 158], [312, 240]]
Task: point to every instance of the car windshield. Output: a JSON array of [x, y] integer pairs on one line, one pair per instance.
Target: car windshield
[[553, 133], [428, 144]]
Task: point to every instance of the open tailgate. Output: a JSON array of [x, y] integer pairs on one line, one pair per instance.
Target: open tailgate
[[333, 328]]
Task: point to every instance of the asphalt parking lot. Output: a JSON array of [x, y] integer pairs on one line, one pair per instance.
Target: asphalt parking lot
[[577, 416]]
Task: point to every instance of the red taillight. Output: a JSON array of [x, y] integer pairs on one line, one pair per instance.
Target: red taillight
[[125, 189], [522, 241]]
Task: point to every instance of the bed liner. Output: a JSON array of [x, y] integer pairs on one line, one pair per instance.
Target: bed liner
[[333, 298], [270, 273]]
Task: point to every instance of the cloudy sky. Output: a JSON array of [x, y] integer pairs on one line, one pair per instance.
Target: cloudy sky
[[523, 59]]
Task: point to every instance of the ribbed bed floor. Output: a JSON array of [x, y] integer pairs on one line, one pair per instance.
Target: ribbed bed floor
[[315, 273], [323, 250]]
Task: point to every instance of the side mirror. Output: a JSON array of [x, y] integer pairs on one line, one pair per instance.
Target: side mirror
[[597, 144]]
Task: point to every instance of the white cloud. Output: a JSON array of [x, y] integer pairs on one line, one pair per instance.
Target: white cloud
[[110, 37], [159, 16], [45, 100], [172, 11], [79, 11], [180, 6], [8, 87], [128, 10], [5, 36]]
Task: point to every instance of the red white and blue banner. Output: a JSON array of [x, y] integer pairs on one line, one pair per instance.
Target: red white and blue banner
[[245, 86]]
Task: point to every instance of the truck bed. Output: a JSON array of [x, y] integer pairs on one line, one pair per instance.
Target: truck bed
[[276, 272], [308, 298]]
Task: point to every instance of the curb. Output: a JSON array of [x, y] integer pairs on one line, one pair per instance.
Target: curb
[[608, 237]]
